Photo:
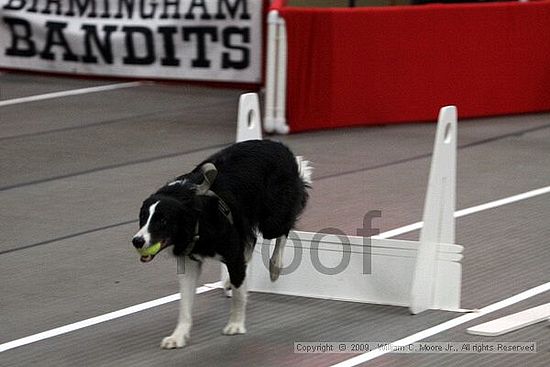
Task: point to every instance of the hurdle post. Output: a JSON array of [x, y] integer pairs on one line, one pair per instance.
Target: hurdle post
[[249, 124], [438, 217], [271, 70]]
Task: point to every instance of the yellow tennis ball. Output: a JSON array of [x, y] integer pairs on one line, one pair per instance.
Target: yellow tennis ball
[[151, 250]]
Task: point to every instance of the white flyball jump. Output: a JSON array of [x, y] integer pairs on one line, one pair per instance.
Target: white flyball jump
[[421, 275]]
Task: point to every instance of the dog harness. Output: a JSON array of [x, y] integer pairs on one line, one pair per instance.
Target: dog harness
[[204, 190]]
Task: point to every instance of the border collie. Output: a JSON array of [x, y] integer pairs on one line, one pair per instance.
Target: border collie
[[216, 211]]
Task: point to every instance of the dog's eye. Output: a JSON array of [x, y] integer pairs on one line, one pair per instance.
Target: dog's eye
[[163, 221]]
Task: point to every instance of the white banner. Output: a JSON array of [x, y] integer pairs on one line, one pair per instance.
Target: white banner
[[216, 40]]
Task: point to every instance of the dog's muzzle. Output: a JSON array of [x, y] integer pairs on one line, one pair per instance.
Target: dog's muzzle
[[148, 253]]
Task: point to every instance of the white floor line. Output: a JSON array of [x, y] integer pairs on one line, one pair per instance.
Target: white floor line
[[102, 318], [67, 93], [471, 210], [208, 287], [365, 357]]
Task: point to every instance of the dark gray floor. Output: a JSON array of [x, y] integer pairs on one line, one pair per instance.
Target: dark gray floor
[[74, 171]]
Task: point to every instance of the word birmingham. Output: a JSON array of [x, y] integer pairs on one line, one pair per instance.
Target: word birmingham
[[145, 28], [144, 9]]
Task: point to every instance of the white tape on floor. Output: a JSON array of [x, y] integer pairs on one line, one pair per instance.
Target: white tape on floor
[[471, 210], [99, 319], [67, 93]]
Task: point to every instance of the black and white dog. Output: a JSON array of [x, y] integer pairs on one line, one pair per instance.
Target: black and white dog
[[217, 210]]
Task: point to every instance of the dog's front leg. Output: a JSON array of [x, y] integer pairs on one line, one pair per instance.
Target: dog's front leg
[[188, 277]]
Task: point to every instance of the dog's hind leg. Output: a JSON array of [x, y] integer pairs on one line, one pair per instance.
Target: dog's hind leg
[[238, 309], [276, 262], [238, 301], [225, 281], [188, 284]]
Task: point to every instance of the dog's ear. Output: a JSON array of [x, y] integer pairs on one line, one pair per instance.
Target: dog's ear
[[209, 173]]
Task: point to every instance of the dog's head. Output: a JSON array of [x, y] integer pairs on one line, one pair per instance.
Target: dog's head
[[167, 221], [170, 216]]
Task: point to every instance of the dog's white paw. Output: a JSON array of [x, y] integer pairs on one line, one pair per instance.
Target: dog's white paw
[[234, 328], [228, 292], [173, 342]]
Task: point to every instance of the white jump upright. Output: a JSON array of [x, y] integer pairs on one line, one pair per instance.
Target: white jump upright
[[376, 270], [249, 121], [438, 217]]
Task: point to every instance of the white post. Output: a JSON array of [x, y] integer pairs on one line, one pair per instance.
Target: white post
[[438, 217], [275, 99], [281, 126], [271, 70]]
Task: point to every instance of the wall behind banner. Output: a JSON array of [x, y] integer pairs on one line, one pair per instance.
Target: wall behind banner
[[211, 40], [398, 64]]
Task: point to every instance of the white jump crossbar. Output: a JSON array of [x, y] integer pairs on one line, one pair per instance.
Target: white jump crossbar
[[421, 275]]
